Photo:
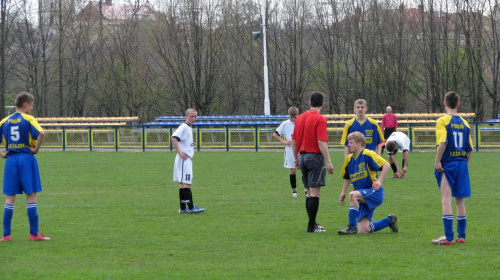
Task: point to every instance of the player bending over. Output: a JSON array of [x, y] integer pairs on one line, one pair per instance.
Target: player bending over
[[398, 141]]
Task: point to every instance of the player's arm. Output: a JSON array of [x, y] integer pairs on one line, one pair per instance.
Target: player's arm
[[439, 154], [278, 137], [379, 149], [323, 147], [175, 143], [377, 184], [295, 154], [39, 141], [342, 195], [406, 155], [346, 151]]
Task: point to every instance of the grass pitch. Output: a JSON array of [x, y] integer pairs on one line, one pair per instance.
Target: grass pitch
[[115, 216]]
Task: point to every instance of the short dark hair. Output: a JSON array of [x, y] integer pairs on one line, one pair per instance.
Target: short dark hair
[[391, 146], [316, 99], [452, 99], [22, 98]]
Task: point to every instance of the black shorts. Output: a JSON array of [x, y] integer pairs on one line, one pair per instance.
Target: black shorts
[[388, 132], [313, 169]]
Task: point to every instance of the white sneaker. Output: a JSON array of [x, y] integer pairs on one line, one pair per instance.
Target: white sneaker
[[295, 194]]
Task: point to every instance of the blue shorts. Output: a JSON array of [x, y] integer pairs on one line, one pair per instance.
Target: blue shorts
[[373, 199], [21, 174], [457, 174]]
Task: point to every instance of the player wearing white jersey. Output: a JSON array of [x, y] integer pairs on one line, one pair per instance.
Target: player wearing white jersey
[[398, 141], [182, 140], [284, 134]]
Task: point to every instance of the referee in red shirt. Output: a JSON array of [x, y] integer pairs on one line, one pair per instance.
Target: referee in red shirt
[[310, 149]]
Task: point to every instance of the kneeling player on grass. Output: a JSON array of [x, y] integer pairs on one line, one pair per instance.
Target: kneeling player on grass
[[360, 168]]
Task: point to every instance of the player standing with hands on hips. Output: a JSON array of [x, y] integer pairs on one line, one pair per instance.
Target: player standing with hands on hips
[[310, 149], [22, 136], [182, 140], [454, 149]]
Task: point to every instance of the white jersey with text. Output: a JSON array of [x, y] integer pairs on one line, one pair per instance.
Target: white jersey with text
[[184, 134]]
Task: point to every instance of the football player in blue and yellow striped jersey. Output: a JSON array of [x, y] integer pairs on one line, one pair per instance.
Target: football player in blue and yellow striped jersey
[[360, 168], [367, 126], [454, 149], [22, 136]]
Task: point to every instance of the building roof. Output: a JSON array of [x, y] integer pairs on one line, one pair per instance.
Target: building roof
[[111, 11]]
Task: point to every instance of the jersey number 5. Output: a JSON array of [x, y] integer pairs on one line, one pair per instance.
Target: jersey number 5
[[14, 133]]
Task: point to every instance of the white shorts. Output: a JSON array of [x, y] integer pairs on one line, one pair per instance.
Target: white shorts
[[289, 158], [183, 170]]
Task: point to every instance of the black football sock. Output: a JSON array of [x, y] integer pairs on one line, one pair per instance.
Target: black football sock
[[293, 182], [182, 198], [313, 211], [189, 198], [394, 169]]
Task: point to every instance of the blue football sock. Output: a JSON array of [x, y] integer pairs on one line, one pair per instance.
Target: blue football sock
[[448, 227], [8, 212], [353, 216], [461, 226], [33, 218], [378, 225]]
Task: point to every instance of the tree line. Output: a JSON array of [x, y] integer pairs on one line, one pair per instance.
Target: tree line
[[201, 54]]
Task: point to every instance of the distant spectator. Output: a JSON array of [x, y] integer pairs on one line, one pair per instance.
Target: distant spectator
[[389, 124]]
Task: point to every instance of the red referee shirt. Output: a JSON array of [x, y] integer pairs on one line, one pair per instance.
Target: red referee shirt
[[310, 127]]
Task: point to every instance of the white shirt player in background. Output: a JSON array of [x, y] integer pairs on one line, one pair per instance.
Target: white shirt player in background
[[182, 141], [398, 141], [284, 134]]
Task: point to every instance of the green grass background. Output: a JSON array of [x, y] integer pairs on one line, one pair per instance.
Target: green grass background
[[115, 216]]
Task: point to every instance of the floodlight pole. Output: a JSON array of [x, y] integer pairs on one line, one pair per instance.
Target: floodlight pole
[[267, 109]]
